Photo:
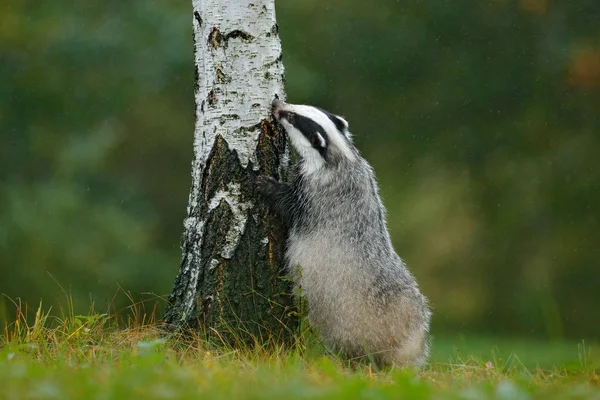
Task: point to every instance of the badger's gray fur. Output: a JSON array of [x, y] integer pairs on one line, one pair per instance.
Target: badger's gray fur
[[361, 297]]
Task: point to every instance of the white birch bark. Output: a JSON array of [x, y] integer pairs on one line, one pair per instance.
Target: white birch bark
[[237, 44], [239, 71]]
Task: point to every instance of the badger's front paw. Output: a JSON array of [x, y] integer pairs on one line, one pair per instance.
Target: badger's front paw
[[266, 185]]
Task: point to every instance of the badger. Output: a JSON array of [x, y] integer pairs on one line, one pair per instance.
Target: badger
[[362, 300]]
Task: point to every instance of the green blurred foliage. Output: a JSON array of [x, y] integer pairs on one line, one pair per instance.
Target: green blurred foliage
[[480, 119]]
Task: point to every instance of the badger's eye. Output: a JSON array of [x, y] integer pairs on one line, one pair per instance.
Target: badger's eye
[[289, 116]]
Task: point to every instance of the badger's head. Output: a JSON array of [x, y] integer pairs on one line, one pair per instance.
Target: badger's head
[[319, 137]]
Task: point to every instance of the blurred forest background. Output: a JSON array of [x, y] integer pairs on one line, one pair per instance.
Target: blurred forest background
[[481, 120]]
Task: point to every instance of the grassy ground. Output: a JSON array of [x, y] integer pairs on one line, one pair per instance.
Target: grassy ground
[[96, 357]]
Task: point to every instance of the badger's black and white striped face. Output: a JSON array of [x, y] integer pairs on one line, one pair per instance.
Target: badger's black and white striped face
[[317, 135]]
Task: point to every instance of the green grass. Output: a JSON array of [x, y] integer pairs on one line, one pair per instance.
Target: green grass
[[101, 357]]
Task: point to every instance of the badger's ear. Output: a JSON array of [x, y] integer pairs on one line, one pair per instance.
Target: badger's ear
[[343, 123], [318, 141], [340, 123], [343, 127]]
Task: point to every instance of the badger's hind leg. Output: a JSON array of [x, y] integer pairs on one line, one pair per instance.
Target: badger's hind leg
[[413, 352], [409, 357]]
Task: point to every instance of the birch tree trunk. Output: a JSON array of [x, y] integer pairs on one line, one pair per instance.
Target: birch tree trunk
[[230, 280]]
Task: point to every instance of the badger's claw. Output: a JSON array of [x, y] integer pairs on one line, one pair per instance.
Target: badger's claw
[[266, 185]]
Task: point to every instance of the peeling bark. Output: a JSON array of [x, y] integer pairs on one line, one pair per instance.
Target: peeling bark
[[230, 281]]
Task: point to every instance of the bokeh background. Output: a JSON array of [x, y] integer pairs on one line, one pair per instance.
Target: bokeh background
[[481, 120]]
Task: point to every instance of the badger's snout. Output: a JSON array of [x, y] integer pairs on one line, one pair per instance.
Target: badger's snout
[[276, 102], [282, 111], [276, 108]]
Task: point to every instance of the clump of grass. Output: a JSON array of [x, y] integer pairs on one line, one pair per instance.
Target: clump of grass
[[101, 355]]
